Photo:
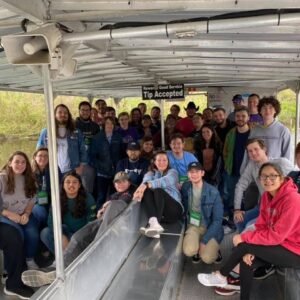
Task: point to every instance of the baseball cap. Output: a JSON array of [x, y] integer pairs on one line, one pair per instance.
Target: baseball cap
[[133, 146], [120, 176], [195, 165], [237, 98]]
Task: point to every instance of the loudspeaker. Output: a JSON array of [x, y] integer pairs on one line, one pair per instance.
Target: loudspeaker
[[33, 48]]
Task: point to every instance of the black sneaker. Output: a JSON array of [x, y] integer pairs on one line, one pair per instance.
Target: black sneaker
[[264, 272], [219, 258], [24, 292], [196, 259]]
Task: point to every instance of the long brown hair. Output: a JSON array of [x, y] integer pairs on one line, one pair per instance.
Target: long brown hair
[[80, 201], [30, 186], [70, 123], [34, 165], [153, 167]]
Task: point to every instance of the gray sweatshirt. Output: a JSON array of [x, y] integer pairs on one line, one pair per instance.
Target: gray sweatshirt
[[250, 174], [277, 139], [17, 201]]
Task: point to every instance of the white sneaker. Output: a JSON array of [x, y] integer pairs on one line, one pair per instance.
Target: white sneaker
[[154, 228], [213, 279], [31, 265]]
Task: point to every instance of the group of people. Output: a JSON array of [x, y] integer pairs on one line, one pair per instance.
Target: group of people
[[210, 164]]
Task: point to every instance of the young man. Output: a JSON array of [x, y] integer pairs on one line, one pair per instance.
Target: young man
[[185, 126], [135, 166], [101, 107], [198, 122], [204, 211], [255, 117], [92, 231], [233, 153], [71, 151], [88, 129], [275, 135], [155, 117], [179, 159], [223, 125], [237, 102], [174, 111]]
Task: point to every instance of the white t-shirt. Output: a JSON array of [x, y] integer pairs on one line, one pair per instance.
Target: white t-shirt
[[62, 152]]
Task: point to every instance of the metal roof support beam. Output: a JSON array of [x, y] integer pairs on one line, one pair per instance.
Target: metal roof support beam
[[191, 5], [204, 27], [34, 10]]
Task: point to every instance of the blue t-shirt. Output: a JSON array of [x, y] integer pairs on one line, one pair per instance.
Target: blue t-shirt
[[239, 150], [180, 165]]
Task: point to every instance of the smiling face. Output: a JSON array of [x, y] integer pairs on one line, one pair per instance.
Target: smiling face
[[42, 159], [161, 162], [268, 112], [71, 186], [18, 164], [241, 118], [124, 121], [61, 115], [85, 112], [219, 117], [256, 152], [270, 179], [252, 104], [195, 175], [177, 146], [121, 185], [206, 134], [148, 146]]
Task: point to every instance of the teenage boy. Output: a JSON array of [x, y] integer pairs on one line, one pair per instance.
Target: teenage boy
[[204, 212]]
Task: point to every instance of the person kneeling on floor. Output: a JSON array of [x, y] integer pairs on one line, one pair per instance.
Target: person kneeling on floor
[[204, 211], [82, 238]]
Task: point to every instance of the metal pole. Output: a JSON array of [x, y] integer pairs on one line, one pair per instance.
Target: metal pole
[[162, 124], [53, 173], [297, 115]]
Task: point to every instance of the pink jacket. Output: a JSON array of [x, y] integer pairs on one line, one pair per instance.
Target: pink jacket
[[279, 220]]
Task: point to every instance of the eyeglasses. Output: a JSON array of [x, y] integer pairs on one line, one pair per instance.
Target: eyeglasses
[[272, 177]]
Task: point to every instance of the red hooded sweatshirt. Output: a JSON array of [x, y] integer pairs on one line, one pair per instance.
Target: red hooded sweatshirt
[[279, 220]]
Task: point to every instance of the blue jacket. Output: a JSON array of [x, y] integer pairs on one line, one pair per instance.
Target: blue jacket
[[211, 210], [76, 148], [104, 155]]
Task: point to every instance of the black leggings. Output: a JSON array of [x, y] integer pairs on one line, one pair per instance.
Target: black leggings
[[158, 203], [11, 243], [276, 255]]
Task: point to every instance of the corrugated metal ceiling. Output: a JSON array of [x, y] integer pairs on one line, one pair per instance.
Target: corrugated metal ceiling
[[262, 54]]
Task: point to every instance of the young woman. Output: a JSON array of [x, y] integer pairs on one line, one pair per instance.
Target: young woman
[[106, 151], [40, 168], [136, 121], [257, 153], [160, 195], [18, 192], [77, 209], [275, 239], [147, 127], [147, 148], [208, 150]]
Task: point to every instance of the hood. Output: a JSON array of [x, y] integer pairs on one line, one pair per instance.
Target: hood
[[287, 188]]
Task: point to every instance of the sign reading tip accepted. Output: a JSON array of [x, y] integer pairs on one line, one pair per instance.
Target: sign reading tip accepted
[[163, 91]]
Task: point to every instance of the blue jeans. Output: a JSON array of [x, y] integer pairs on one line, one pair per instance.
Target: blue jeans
[[29, 233], [40, 213], [249, 215], [47, 236], [103, 185], [230, 182]]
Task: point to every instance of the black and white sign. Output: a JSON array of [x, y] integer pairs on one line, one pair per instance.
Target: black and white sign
[[164, 91]]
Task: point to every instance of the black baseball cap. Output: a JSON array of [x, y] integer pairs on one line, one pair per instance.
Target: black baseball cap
[[134, 146], [195, 165]]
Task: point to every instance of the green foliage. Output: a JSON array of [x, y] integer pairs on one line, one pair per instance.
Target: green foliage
[[23, 114]]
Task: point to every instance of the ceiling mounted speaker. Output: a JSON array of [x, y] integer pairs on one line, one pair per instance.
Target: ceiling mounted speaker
[[32, 48]]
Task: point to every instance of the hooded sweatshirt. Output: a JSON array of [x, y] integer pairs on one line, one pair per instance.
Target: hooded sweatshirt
[[279, 220]]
